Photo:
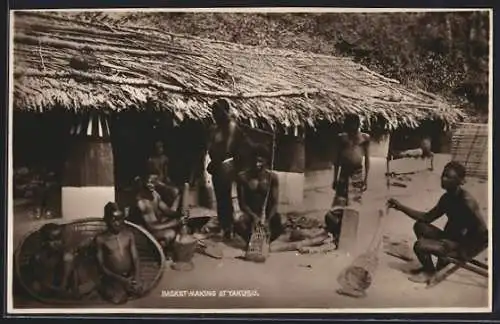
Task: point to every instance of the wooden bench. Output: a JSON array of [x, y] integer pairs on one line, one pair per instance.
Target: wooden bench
[[456, 264]]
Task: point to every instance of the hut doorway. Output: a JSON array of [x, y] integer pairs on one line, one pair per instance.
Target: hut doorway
[[39, 147], [133, 136]]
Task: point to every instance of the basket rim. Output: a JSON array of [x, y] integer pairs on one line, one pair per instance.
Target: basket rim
[[148, 235]]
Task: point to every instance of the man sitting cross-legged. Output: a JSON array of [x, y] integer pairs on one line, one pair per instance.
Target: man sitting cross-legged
[[465, 233], [253, 186], [117, 257]]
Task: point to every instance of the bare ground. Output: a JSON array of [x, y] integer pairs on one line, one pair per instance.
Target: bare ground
[[290, 280]]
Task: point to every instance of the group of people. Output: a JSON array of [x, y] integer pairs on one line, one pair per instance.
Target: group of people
[[464, 236], [107, 263], [157, 205], [158, 199]]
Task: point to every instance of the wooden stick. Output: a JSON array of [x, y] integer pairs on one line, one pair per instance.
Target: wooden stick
[[465, 265], [99, 48]]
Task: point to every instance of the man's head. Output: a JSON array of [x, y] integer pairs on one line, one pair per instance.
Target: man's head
[[113, 217], [159, 148], [453, 176], [152, 180], [220, 111], [52, 236], [352, 123], [260, 157]]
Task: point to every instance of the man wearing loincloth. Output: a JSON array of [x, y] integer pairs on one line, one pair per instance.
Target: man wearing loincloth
[[353, 149], [224, 140], [160, 219], [118, 258], [254, 185], [158, 166], [464, 235]]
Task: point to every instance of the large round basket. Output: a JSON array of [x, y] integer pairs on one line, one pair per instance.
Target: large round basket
[[152, 259]]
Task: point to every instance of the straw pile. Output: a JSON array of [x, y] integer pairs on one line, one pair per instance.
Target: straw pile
[[62, 62]]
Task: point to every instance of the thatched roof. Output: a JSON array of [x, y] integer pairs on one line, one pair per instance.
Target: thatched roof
[[65, 62]]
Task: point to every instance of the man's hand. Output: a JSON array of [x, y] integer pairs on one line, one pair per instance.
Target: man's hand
[[393, 203]]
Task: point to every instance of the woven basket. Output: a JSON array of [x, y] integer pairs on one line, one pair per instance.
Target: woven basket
[[258, 246], [359, 275], [151, 258]]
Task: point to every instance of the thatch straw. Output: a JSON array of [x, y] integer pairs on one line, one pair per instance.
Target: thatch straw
[[77, 65]]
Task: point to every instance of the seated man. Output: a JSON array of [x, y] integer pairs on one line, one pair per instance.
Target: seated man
[[159, 219], [353, 150], [258, 194], [158, 166], [465, 233], [117, 257], [52, 266]]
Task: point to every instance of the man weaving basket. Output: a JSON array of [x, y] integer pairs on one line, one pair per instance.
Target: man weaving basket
[[465, 234], [258, 195]]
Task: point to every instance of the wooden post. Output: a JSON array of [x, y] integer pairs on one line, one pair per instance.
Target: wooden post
[[88, 177]]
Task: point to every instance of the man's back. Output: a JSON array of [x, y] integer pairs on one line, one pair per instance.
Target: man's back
[[462, 211]]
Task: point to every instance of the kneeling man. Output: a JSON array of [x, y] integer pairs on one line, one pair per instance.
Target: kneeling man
[[258, 194]]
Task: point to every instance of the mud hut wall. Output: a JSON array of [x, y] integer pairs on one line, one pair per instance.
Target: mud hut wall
[[89, 167]]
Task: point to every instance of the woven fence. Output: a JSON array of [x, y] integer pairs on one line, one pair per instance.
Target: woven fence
[[470, 147]]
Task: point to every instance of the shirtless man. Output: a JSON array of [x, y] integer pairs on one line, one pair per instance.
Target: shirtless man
[[353, 149], [222, 146], [117, 257], [465, 233], [159, 219], [52, 266], [158, 165], [253, 186]]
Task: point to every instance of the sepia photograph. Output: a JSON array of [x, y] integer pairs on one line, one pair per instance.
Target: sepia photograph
[[270, 160]]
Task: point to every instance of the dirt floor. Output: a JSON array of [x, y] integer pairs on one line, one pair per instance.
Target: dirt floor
[[290, 280]]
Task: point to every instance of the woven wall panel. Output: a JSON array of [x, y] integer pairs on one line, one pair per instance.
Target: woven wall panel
[[470, 147]]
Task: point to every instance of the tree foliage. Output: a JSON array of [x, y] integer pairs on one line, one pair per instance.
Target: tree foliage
[[441, 52]]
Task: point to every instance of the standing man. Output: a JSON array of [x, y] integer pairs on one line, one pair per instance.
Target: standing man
[[354, 147], [224, 140], [464, 235], [258, 192]]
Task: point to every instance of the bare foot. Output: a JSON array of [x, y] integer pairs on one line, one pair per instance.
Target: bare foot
[[422, 277]]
